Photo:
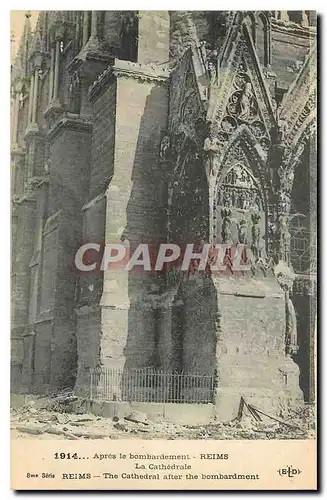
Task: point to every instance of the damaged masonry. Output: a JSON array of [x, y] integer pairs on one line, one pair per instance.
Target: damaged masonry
[[174, 128]]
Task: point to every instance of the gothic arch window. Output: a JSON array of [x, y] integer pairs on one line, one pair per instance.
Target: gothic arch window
[[263, 39], [129, 36]]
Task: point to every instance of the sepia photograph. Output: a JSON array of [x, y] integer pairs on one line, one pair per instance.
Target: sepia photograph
[[163, 247]]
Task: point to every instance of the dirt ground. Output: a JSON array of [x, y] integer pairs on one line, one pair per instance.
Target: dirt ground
[[58, 418]]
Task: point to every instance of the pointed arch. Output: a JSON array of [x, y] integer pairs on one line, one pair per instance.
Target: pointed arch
[[244, 142], [239, 48], [250, 21], [240, 195], [240, 177], [263, 44]]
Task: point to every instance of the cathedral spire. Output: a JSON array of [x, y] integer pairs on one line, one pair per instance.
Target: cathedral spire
[[26, 41]]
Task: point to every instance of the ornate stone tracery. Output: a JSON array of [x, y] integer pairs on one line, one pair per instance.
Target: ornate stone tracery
[[239, 190], [243, 108]]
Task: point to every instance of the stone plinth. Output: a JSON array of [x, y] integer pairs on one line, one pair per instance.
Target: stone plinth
[[250, 350]]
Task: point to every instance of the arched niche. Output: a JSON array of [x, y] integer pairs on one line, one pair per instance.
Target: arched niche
[[239, 214]]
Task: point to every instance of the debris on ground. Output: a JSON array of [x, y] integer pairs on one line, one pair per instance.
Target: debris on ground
[[137, 417], [63, 417]]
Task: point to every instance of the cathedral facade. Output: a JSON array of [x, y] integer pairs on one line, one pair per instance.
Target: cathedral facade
[[156, 127]]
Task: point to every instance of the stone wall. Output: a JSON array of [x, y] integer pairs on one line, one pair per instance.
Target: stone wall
[[251, 347], [129, 120], [289, 50], [103, 141], [108, 183], [136, 212], [55, 341], [153, 39]]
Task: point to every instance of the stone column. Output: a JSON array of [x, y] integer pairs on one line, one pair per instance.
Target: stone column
[[30, 103], [284, 15], [86, 27], [128, 320], [34, 108], [20, 283], [56, 71], [267, 37], [304, 20], [52, 62], [94, 24], [35, 282], [15, 117]]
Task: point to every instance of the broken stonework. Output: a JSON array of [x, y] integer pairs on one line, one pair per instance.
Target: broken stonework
[[157, 127]]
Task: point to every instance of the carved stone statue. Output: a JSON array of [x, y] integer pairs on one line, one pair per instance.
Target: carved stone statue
[[284, 237], [285, 278], [281, 128], [246, 103], [212, 70], [242, 231], [74, 81], [165, 148], [255, 232], [211, 147], [226, 230]]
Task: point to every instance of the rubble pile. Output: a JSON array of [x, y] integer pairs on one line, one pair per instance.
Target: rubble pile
[[62, 417]]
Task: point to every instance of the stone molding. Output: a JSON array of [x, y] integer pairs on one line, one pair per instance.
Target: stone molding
[[70, 122], [292, 28], [142, 73]]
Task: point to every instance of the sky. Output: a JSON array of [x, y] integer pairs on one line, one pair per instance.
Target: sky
[[17, 20]]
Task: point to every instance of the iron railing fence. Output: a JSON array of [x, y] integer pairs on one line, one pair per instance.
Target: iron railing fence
[[149, 385]]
